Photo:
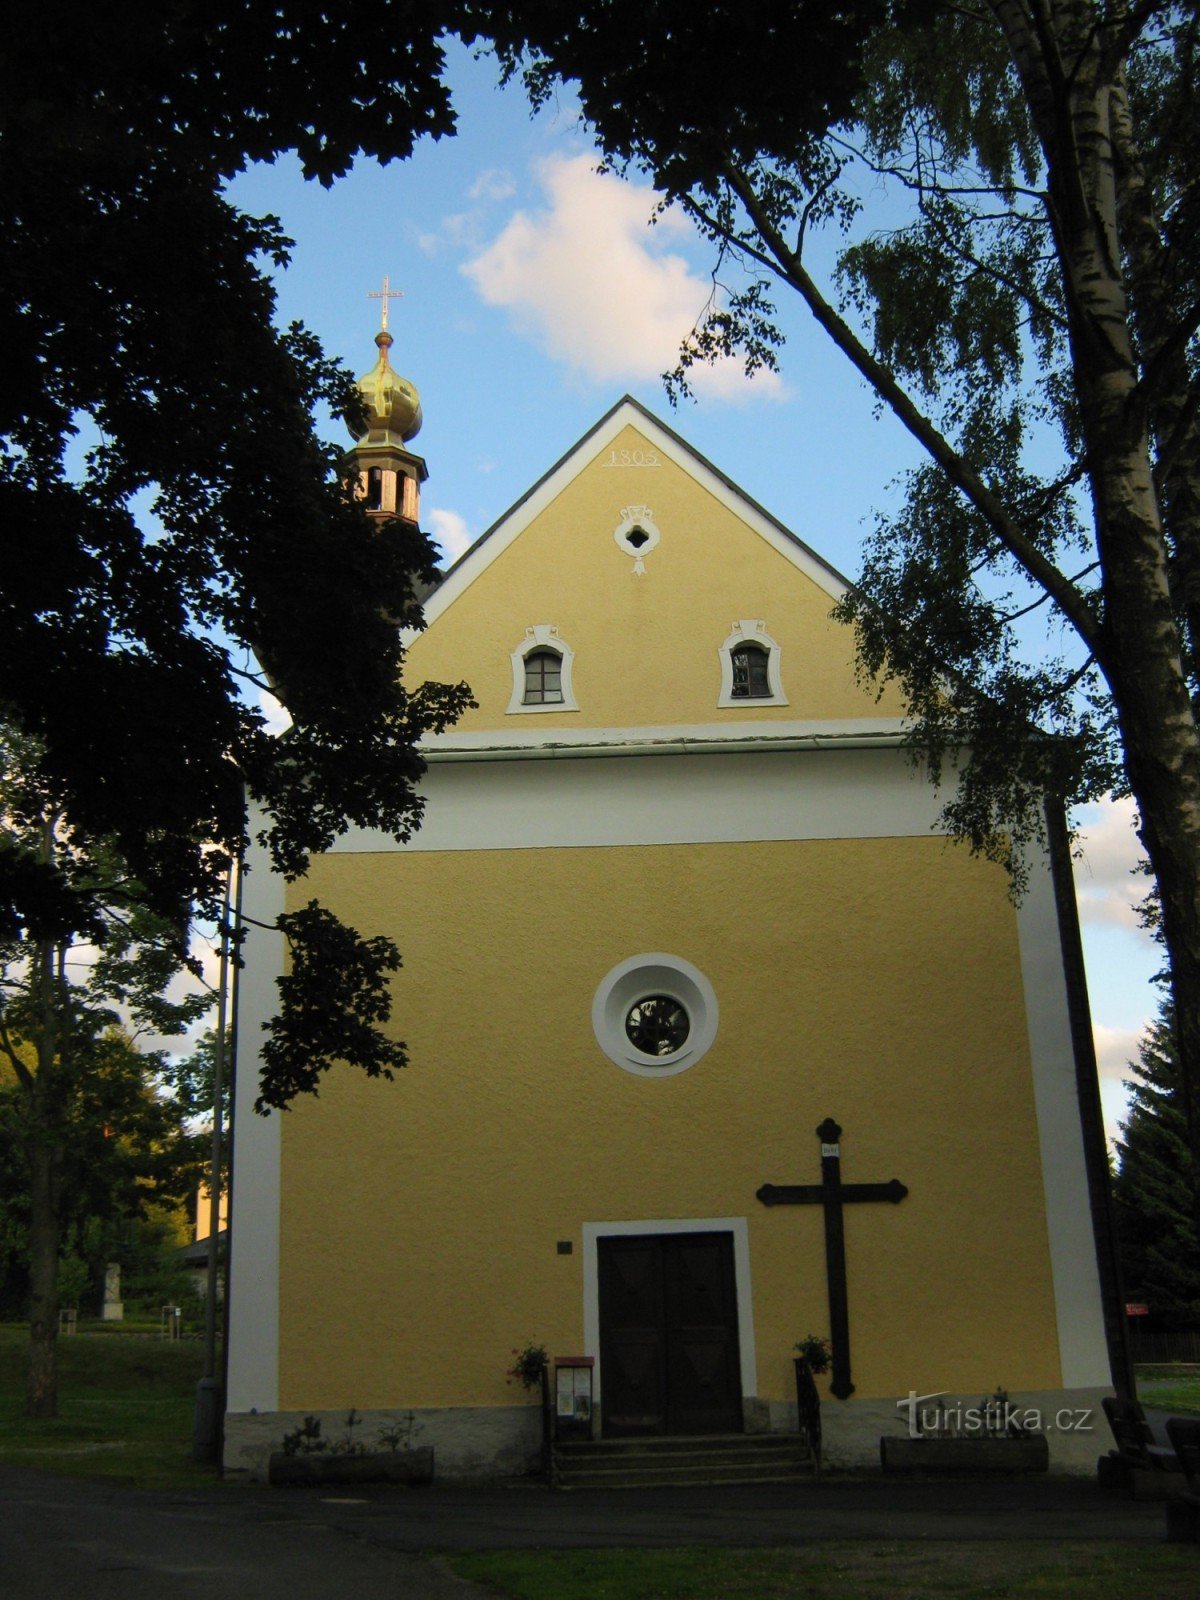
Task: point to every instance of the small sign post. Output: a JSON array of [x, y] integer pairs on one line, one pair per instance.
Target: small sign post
[[573, 1396]]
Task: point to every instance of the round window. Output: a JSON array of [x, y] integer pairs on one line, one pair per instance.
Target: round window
[[654, 1015], [657, 1025]]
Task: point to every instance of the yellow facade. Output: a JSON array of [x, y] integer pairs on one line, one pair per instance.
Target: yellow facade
[[402, 1238], [428, 1210]]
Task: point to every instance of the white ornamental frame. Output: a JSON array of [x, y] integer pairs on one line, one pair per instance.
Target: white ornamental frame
[[751, 631], [636, 517], [542, 636]]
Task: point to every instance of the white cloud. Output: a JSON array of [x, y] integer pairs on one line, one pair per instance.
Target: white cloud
[[450, 532], [596, 288], [1115, 1049], [462, 230], [497, 183], [1107, 887], [278, 717]]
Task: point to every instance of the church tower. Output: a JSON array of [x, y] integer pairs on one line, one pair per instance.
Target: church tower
[[389, 475]]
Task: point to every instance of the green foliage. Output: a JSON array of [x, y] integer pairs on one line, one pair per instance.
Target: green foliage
[[1011, 192], [1160, 1248], [987, 596], [681, 89], [152, 1276], [400, 1433], [122, 1146], [304, 1439], [307, 1439], [89, 1138], [167, 512], [529, 1364], [74, 1280], [333, 995], [815, 1350]]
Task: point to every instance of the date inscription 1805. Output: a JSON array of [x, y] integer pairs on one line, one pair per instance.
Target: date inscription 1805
[[632, 458]]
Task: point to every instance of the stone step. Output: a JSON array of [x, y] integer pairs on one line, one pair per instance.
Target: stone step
[[678, 1478], [695, 1459], [683, 1444], [675, 1460]]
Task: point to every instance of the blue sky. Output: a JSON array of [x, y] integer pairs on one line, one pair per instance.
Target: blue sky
[[535, 294]]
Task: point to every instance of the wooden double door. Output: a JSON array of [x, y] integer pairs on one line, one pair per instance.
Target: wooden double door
[[669, 1358]]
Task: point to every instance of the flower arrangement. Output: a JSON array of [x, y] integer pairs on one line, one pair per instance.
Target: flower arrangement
[[306, 1440], [815, 1351], [527, 1369]]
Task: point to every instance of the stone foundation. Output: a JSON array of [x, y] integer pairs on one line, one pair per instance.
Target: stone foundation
[[851, 1429], [469, 1442], [481, 1442]]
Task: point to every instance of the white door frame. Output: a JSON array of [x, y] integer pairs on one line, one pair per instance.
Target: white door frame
[[594, 1231]]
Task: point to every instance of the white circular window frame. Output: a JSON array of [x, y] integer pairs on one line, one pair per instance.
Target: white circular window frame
[[652, 974]]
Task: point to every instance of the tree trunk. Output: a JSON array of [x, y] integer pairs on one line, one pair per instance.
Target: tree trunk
[[1075, 90], [43, 1154], [44, 1231], [1169, 829]]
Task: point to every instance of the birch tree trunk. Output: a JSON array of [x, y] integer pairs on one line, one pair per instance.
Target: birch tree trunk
[[1074, 84]]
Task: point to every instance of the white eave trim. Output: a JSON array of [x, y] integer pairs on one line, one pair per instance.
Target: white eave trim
[[704, 738]]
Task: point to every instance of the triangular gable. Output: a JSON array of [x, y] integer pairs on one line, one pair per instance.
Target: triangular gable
[[643, 581], [627, 410]]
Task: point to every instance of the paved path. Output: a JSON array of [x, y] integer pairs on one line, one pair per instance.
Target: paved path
[[61, 1537], [447, 1519], [84, 1541]]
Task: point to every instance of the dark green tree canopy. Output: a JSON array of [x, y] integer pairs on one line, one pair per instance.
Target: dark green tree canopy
[[168, 516], [682, 89]]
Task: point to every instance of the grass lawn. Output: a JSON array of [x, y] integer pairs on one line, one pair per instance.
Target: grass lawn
[[1170, 1388], [126, 1403], [863, 1570]]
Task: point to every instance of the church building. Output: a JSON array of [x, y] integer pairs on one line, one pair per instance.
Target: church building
[[717, 1041]]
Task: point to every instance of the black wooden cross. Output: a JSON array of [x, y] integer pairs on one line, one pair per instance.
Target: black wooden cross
[[832, 1193]]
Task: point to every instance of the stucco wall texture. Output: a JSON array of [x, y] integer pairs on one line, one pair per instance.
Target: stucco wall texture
[[874, 980], [646, 647]]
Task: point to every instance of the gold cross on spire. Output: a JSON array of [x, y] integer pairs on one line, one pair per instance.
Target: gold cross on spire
[[385, 294]]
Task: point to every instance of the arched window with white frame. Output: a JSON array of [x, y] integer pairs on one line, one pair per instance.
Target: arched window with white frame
[[751, 667], [542, 672]]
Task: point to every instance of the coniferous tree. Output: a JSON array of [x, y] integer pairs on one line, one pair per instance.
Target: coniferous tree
[[1157, 1234]]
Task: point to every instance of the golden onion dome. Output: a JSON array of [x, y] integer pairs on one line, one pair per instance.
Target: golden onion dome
[[392, 404]]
